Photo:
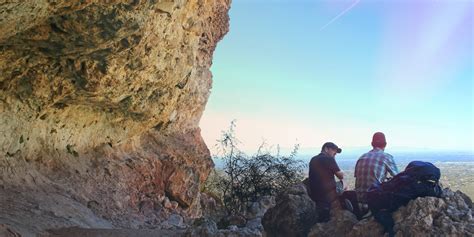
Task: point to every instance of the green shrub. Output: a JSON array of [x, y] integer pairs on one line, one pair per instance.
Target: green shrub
[[244, 179]]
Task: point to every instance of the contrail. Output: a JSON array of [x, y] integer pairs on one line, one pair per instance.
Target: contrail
[[340, 14]]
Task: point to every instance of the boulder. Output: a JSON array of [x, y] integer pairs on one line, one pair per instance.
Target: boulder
[[430, 216], [257, 209], [293, 215], [366, 227], [202, 227], [174, 221], [212, 207], [255, 224], [344, 223], [340, 224]]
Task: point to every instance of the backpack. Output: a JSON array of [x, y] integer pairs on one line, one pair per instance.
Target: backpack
[[419, 179]]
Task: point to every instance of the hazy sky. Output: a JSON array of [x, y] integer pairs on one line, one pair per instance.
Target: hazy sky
[[313, 71]]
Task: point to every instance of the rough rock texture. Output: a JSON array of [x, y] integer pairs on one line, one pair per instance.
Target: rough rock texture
[[259, 208], [212, 208], [344, 223], [201, 227], [208, 228], [341, 222], [367, 227], [99, 109], [451, 215], [293, 214], [5, 231], [216, 223], [81, 232], [428, 216]]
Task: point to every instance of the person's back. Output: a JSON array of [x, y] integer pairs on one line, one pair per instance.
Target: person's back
[[322, 169], [321, 177], [373, 167]]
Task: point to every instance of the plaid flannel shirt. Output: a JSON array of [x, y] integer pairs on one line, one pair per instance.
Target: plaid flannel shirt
[[372, 167]]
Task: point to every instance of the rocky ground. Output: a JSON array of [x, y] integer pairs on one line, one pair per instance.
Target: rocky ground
[[293, 213], [213, 223], [451, 215]]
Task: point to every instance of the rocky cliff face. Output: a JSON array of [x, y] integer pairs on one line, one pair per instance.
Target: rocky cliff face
[[99, 109]]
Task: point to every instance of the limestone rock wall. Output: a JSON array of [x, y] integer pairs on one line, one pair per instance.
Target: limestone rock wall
[[101, 100]]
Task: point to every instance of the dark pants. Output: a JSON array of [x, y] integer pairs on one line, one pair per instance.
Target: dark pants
[[385, 218], [323, 208], [351, 196]]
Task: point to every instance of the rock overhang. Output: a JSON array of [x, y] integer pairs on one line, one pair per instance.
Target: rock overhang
[[104, 98]]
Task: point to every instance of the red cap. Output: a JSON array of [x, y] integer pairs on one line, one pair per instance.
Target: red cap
[[378, 140]]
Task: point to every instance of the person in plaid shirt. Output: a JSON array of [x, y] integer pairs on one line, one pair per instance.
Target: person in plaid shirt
[[373, 167]]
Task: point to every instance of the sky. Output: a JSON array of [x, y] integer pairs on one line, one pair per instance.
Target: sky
[[307, 72]]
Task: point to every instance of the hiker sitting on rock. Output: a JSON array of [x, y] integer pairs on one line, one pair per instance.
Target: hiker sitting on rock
[[373, 167], [322, 169]]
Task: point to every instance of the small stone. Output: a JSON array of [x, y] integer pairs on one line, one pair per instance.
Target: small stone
[[167, 204], [174, 204], [236, 220], [255, 224], [176, 220], [161, 198], [146, 207], [233, 228]]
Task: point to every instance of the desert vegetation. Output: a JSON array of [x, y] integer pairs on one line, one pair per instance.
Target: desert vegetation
[[245, 178]]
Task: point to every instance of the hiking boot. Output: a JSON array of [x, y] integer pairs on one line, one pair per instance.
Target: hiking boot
[[367, 215], [348, 205]]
